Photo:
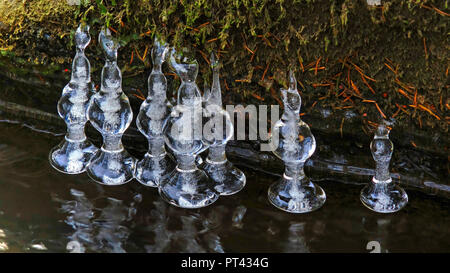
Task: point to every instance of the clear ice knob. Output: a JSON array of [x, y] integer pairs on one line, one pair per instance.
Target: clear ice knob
[[187, 185], [381, 194], [74, 153], [156, 164], [110, 113], [229, 179], [292, 141]]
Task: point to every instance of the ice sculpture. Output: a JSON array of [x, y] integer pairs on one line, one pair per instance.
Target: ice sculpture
[[293, 142], [110, 113], [73, 154], [156, 164], [187, 185], [381, 194], [229, 179]]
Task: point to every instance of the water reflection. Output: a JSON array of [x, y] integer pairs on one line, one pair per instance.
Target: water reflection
[[96, 229], [296, 238], [107, 228], [43, 210]]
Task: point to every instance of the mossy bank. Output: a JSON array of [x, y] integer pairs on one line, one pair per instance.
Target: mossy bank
[[389, 61]]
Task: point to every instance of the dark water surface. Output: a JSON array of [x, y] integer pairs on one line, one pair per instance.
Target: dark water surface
[[42, 210]]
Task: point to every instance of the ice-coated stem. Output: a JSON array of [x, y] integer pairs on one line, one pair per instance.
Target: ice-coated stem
[[112, 143], [295, 170], [382, 149], [217, 153], [186, 162]]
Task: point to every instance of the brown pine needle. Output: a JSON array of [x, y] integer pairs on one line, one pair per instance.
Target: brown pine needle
[[401, 108], [194, 29], [202, 25], [140, 93], [404, 94], [274, 95], [355, 88], [415, 98], [204, 57], [315, 69], [377, 106], [440, 11], [429, 111], [310, 64], [137, 96], [348, 77], [407, 88], [317, 64], [337, 75], [347, 98], [341, 127], [145, 33], [139, 56], [387, 59], [356, 67], [212, 40], [226, 85], [425, 47], [369, 78], [265, 71], [320, 84], [257, 97], [132, 56], [145, 53], [113, 30], [301, 63], [246, 47], [390, 68], [379, 110], [253, 55], [396, 112], [367, 84]]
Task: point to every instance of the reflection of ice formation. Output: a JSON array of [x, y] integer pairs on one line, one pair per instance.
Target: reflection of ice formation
[[191, 232], [96, 229]]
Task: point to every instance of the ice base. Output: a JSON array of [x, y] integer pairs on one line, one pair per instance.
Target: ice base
[[229, 179], [383, 196], [188, 189], [151, 170], [72, 157], [112, 167], [296, 196]]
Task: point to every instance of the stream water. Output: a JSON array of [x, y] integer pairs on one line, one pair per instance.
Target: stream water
[[42, 210]]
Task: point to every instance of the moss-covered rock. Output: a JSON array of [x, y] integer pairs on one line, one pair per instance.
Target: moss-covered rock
[[388, 61]]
